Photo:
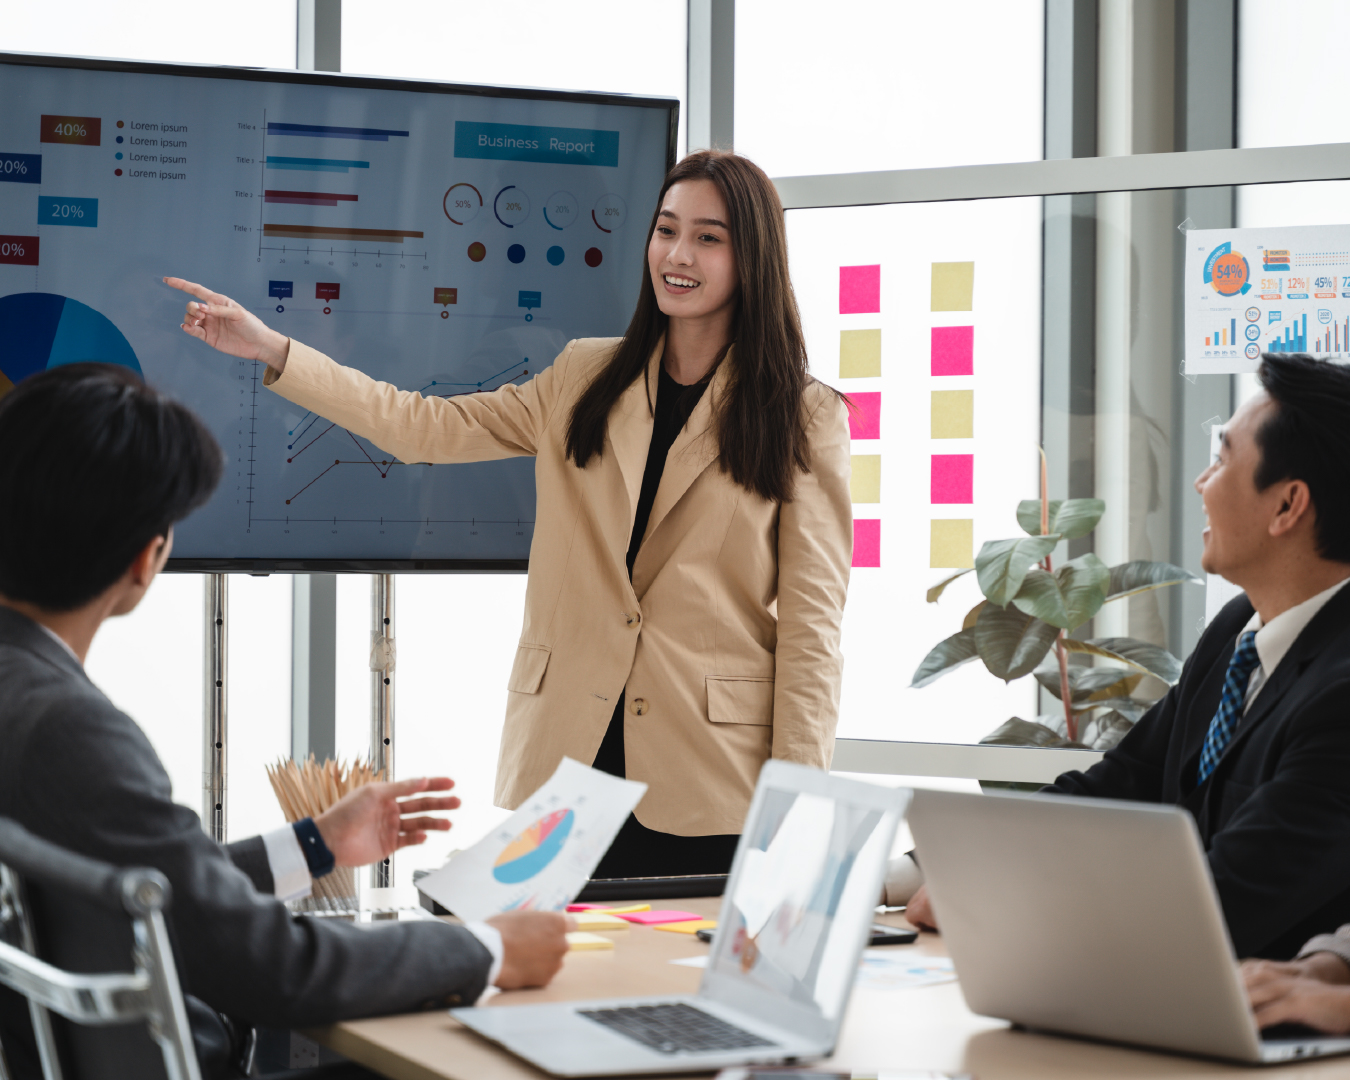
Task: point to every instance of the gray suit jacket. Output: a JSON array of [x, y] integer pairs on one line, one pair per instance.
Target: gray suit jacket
[[80, 773]]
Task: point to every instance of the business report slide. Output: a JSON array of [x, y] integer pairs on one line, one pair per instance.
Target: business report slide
[[447, 243]]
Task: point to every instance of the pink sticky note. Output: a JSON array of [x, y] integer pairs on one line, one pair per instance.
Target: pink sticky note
[[587, 907], [866, 541], [953, 478], [859, 290], [864, 418], [651, 918], [953, 350]]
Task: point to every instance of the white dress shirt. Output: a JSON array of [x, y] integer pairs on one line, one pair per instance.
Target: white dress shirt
[[290, 872], [1273, 641]]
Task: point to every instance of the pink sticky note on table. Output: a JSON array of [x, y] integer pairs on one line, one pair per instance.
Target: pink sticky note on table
[[651, 918], [866, 541], [859, 290], [953, 350], [953, 478], [587, 907], [864, 418]]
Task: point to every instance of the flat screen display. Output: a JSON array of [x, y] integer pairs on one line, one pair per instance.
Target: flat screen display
[[445, 239]]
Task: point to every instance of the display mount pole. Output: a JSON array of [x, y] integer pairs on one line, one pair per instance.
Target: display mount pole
[[382, 661], [215, 741]]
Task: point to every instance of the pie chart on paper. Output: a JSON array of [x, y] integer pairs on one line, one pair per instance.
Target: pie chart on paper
[[533, 849]]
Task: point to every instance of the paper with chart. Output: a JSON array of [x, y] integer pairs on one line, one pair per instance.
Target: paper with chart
[[1250, 291], [542, 855]]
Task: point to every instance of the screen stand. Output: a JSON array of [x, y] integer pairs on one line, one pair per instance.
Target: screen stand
[[214, 727], [382, 662]]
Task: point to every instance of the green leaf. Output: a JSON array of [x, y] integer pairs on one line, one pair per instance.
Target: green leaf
[[938, 589], [1012, 643], [1018, 732], [947, 655], [1070, 518], [1141, 576], [1087, 684], [1105, 730], [968, 623], [1070, 596], [1140, 655], [1127, 706], [1002, 565]]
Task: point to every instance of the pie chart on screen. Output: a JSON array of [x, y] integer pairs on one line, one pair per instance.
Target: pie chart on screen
[[533, 849], [46, 330]]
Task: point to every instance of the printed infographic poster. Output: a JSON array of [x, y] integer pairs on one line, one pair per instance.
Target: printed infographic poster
[[1250, 291], [446, 243]]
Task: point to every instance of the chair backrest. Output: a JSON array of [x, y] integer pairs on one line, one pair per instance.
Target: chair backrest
[[147, 994]]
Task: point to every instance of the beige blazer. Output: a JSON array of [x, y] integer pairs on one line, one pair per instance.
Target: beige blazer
[[727, 638]]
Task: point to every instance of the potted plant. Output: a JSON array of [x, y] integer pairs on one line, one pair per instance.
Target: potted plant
[[1030, 608]]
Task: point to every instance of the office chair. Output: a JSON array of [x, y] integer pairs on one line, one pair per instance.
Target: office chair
[[148, 993]]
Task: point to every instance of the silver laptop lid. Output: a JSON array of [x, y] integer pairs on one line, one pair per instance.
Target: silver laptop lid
[[1086, 916], [799, 901]]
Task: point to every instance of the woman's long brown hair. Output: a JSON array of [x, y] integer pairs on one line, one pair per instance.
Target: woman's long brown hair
[[761, 422]]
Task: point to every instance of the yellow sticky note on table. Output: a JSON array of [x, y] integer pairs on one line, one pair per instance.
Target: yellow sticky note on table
[[599, 920], [690, 927], [953, 414], [953, 286], [864, 483], [580, 941], [631, 909], [859, 354], [951, 544]]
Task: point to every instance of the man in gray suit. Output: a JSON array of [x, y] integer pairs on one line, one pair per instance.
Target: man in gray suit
[[95, 469]]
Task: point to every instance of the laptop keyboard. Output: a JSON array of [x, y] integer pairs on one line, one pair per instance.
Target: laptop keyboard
[[670, 1029]]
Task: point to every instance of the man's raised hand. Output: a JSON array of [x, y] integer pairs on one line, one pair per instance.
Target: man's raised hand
[[370, 823]]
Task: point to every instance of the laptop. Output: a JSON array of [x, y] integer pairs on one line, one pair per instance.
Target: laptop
[[1090, 917], [795, 917]]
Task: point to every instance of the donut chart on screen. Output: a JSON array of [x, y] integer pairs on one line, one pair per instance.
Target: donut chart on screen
[[533, 849], [46, 330]]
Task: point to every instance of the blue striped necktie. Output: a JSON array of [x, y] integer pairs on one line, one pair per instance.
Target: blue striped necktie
[[1220, 733]]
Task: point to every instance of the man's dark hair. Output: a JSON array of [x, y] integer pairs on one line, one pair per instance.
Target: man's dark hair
[[1307, 437], [94, 465]]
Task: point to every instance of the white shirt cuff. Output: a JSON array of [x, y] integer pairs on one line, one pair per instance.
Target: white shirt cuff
[[491, 938], [290, 872], [903, 878]]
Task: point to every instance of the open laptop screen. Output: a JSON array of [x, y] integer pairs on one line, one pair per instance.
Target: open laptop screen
[[802, 894]]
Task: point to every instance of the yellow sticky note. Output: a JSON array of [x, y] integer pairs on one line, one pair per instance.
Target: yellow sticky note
[[578, 941], [951, 544], [953, 414], [864, 484], [859, 354], [690, 927], [953, 286], [630, 909], [599, 920]]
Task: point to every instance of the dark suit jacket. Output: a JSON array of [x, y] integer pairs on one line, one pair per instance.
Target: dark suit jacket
[[1275, 815], [77, 771]]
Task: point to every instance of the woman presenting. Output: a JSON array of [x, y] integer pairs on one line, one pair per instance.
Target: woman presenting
[[693, 529]]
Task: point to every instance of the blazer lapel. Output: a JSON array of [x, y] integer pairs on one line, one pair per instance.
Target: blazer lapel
[[694, 449], [630, 431]]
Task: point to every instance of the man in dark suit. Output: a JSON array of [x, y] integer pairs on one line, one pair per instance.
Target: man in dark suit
[[95, 469], [1254, 739]]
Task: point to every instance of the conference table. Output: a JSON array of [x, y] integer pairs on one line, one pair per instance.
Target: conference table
[[888, 1030]]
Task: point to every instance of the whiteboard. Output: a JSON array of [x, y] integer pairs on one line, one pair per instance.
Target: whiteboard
[[446, 239]]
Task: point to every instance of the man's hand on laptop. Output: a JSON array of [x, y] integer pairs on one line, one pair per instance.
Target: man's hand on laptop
[[370, 823], [1298, 993], [919, 911], [533, 946]]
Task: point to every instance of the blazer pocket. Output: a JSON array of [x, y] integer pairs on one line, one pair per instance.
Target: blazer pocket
[[528, 670], [736, 700]]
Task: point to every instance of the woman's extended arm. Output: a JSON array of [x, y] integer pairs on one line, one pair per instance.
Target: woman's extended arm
[[507, 422], [815, 547]]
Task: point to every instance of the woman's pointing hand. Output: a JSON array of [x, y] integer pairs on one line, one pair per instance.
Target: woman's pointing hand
[[224, 325]]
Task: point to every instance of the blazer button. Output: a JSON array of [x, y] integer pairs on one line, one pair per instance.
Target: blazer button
[[634, 619], [638, 706]]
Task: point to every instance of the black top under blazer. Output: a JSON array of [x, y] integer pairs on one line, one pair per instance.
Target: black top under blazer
[[77, 771], [1275, 814]]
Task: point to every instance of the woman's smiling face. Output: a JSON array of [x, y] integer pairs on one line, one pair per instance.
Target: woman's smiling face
[[690, 257]]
